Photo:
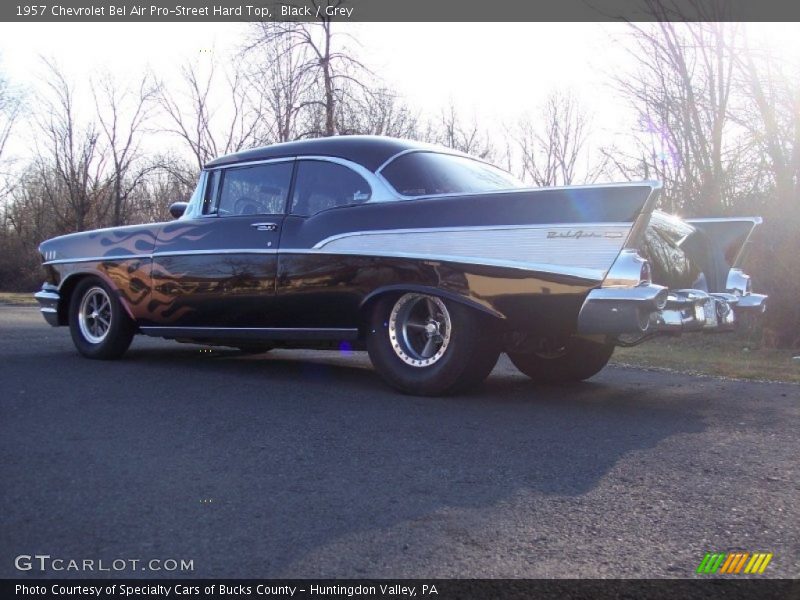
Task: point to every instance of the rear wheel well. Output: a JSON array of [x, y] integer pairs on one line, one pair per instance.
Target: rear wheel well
[[365, 310]]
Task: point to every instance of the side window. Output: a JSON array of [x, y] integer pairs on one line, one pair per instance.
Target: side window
[[321, 185], [255, 190]]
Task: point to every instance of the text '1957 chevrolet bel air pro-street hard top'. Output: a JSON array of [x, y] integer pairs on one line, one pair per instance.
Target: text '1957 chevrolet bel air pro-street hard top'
[[434, 261]]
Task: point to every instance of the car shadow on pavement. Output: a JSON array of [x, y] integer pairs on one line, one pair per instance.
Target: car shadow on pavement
[[351, 452], [249, 464]]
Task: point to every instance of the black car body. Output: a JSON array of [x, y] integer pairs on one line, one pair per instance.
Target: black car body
[[409, 249]]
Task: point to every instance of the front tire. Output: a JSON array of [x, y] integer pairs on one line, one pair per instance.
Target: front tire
[[427, 346], [575, 359], [100, 327]]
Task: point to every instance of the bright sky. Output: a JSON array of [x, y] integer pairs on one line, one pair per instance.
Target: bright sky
[[492, 71], [431, 62]]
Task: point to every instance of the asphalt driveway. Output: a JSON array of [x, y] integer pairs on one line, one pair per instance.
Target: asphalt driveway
[[304, 464]]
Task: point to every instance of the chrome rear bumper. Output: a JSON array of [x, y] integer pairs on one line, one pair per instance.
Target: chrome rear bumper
[[653, 309]]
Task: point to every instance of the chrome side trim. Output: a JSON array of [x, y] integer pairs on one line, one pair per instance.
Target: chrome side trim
[[753, 220], [470, 228], [211, 252], [592, 247], [62, 261], [250, 163], [157, 254], [250, 333]]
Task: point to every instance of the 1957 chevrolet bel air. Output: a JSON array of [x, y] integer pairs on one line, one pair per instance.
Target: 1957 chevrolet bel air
[[434, 261]]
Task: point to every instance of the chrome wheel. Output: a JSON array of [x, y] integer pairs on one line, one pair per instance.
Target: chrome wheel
[[419, 329], [94, 315]]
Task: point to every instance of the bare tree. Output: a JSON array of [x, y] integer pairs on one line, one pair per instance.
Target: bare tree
[[553, 147], [69, 157], [771, 116], [720, 125], [9, 112], [323, 73], [10, 109], [28, 219], [150, 201], [380, 111], [275, 71], [206, 125], [451, 130], [681, 92], [122, 116], [773, 121]]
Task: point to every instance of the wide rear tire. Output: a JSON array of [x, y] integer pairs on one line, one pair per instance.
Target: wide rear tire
[[99, 325], [576, 360], [428, 346]]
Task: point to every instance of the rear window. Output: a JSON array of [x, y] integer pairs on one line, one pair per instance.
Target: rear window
[[430, 173]]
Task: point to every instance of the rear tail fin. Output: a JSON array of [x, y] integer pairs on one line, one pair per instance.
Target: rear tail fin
[[637, 234], [730, 236]]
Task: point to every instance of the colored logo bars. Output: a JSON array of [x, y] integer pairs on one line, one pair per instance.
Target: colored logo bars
[[734, 562]]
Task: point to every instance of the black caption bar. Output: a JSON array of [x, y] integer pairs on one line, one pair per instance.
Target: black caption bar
[[399, 10], [483, 589]]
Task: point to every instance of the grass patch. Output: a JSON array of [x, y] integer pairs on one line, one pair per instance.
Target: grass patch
[[723, 355], [15, 299]]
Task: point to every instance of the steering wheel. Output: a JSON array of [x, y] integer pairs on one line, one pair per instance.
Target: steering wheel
[[245, 206]]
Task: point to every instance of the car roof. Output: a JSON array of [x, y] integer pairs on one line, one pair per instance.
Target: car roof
[[370, 151]]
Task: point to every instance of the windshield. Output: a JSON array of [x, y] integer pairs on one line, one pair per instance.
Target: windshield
[[430, 173], [195, 208]]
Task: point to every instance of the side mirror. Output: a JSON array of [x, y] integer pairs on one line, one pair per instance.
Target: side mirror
[[177, 209]]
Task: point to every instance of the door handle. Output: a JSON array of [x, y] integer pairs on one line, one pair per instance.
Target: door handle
[[265, 226]]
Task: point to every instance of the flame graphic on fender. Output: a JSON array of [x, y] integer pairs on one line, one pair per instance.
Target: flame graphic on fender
[[133, 278], [170, 235]]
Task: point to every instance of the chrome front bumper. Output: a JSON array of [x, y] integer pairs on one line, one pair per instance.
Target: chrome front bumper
[[48, 299], [651, 309]]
